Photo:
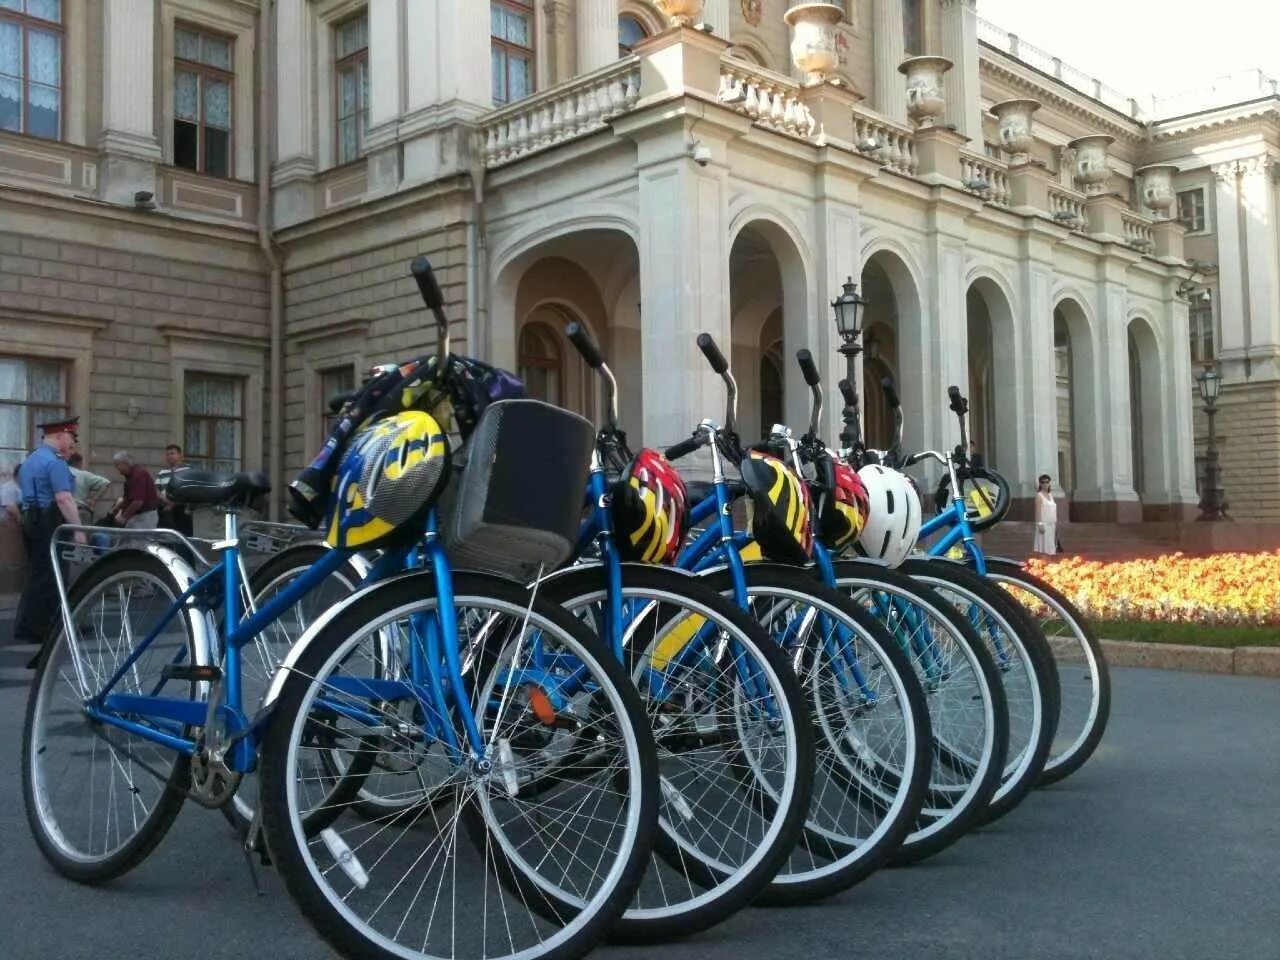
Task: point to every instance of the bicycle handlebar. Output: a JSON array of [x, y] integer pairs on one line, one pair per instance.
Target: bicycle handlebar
[[810, 372], [578, 336], [721, 366], [684, 447], [429, 288]]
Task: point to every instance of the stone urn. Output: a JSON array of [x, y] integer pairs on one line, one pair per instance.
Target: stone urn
[[813, 38], [1092, 172], [1015, 127], [681, 13], [925, 101], [1157, 187]]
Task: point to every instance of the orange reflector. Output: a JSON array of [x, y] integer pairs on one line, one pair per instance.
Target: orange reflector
[[540, 703]]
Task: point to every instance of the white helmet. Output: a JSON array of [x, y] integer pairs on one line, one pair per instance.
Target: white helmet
[[893, 524]]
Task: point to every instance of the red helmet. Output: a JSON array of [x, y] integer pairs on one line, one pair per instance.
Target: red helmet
[[650, 509], [843, 505]]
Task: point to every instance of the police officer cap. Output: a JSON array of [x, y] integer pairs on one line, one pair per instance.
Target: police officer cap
[[61, 425]]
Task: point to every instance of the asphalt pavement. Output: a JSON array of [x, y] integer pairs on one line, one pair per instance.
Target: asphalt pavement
[[1164, 846]]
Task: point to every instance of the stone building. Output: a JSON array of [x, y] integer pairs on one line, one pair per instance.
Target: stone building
[[208, 208]]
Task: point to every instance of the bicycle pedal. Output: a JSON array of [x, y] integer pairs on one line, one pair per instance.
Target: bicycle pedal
[[197, 674]]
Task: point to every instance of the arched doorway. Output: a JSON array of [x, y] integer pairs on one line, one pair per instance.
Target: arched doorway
[[770, 316], [892, 347], [998, 426], [590, 277], [1078, 427], [1146, 405]]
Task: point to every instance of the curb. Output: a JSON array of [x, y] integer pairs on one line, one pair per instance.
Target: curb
[[1240, 661]]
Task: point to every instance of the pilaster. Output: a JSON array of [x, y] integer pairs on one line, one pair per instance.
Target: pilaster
[[832, 108], [1037, 440], [131, 149], [1105, 215], [1029, 188], [715, 14], [1257, 190], [1179, 438], [681, 60], [1232, 350], [597, 34], [938, 155], [961, 83], [889, 45]]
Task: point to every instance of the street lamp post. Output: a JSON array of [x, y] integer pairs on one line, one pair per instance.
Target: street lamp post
[[846, 308], [1212, 504]]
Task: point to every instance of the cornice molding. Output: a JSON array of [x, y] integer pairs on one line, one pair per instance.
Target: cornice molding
[[1027, 79], [1259, 111]]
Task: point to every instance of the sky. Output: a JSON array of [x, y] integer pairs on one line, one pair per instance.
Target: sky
[[1144, 47]]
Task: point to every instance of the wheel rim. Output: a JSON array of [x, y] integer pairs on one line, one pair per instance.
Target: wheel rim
[[465, 789], [116, 778]]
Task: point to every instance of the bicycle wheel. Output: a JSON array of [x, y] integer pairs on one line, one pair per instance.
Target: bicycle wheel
[[99, 798], [262, 656], [967, 710], [871, 730], [1083, 677], [559, 812], [735, 753], [1026, 671]]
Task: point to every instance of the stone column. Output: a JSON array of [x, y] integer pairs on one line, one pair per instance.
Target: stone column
[[128, 138], [1179, 439], [715, 13], [1257, 191], [888, 41], [1037, 440], [960, 46], [292, 194], [597, 31], [386, 83], [1231, 290], [1114, 500]]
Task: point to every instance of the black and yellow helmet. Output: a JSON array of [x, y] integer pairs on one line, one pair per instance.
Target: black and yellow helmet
[[390, 475], [779, 508]]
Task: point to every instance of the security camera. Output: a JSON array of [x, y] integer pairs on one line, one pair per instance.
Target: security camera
[[701, 154], [1206, 295]]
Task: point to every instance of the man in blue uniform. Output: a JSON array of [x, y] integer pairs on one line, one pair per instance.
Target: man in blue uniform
[[48, 500]]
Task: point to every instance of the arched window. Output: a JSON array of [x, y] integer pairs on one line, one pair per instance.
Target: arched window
[[541, 364], [630, 32]]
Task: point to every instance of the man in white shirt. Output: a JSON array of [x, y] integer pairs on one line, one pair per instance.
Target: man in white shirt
[[89, 487]]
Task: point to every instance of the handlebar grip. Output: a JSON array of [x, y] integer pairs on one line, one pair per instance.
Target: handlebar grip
[[709, 350], [890, 394], [847, 391], [428, 286], [586, 346], [808, 368], [958, 403], [683, 448]]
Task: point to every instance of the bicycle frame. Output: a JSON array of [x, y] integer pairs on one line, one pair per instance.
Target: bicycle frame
[[171, 716]]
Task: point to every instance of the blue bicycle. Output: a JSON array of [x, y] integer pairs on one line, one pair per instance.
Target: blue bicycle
[[139, 705]]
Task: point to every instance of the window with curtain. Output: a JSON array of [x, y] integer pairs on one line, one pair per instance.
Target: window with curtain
[[213, 421], [630, 32], [202, 86], [351, 67], [913, 27], [511, 32], [541, 363], [31, 67], [334, 381], [31, 392], [1200, 324]]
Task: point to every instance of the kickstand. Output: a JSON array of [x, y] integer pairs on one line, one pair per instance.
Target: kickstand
[[253, 843]]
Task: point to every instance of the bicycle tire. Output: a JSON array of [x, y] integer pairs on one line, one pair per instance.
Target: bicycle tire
[[330, 914], [850, 862], [1024, 768], [1080, 747], [934, 834], [723, 893], [172, 794]]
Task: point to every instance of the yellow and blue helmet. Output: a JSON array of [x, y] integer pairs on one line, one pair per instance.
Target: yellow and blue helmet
[[393, 471], [779, 514]]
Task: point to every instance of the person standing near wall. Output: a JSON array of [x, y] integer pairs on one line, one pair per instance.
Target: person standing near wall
[[48, 501], [173, 516], [1046, 517], [89, 487], [139, 508], [11, 498]]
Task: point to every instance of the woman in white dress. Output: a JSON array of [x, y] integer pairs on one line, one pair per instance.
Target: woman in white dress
[[1046, 517]]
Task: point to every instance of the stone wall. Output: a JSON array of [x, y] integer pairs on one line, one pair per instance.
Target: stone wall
[[1248, 432], [130, 302]]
